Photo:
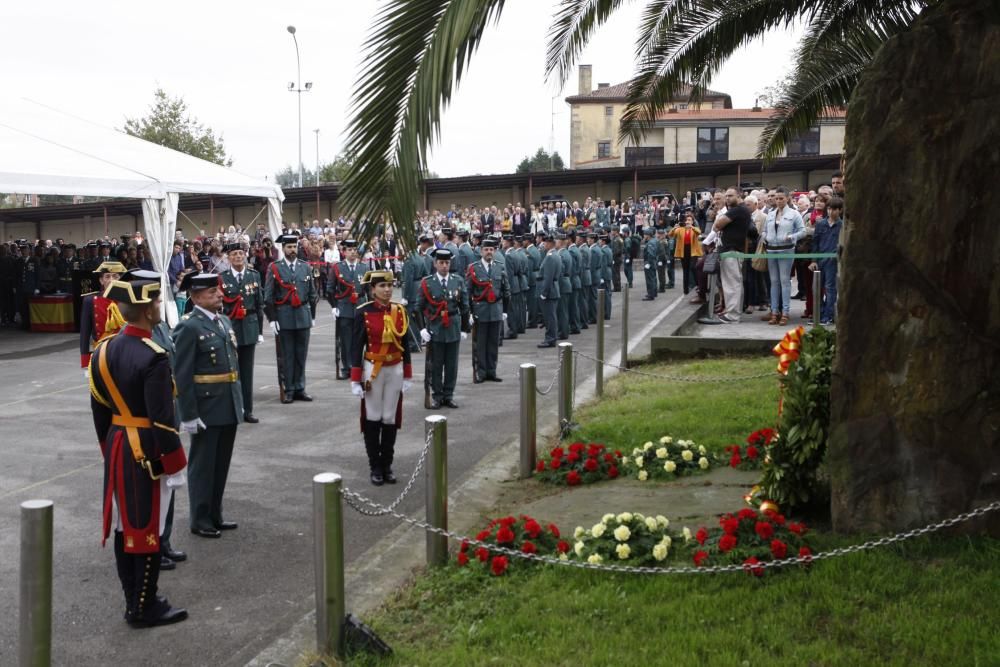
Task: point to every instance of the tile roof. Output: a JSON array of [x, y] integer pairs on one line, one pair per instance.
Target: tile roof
[[736, 114], [619, 92]]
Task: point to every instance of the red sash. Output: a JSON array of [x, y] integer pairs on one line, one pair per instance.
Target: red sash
[[238, 312], [291, 291], [486, 285], [348, 287], [440, 307]]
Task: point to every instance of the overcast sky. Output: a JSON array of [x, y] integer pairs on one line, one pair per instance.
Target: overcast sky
[[232, 62]]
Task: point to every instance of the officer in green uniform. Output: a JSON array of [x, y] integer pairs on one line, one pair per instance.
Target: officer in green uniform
[[550, 272], [607, 260], [650, 255], [512, 266], [589, 310], [414, 270], [669, 244], [524, 272], [617, 255], [489, 300], [345, 293], [630, 254], [210, 399], [444, 303], [576, 320], [534, 257], [476, 242], [244, 306], [289, 291], [662, 259], [449, 243], [565, 285], [466, 256]]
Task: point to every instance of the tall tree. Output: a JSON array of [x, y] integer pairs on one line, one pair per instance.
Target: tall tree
[[334, 172], [169, 124], [541, 161], [289, 178]]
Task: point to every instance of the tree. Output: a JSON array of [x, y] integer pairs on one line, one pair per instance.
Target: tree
[[169, 124], [770, 96], [289, 178], [541, 161], [334, 172]]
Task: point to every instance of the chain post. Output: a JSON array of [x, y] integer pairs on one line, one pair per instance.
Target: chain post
[[599, 374], [529, 420], [625, 293], [35, 640], [437, 489], [328, 556], [566, 381], [817, 287]]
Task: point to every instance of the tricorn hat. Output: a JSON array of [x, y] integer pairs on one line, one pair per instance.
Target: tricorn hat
[[375, 277], [111, 267], [199, 281]]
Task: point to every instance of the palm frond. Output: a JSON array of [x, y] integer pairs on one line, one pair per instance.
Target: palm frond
[[574, 23], [415, 57]]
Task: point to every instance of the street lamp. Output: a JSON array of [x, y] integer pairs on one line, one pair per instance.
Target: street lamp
[[297, 87], [317, 156]]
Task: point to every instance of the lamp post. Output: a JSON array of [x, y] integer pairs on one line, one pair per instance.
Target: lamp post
[[317, 156], [297, 87]]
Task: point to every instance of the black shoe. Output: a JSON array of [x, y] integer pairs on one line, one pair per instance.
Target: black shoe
[[584, 326], [478, 380], [166, 563], [435, 405], [250, 419], [162, 614], [510, 337], [574, 332], [206, 532], [647, 298], [494, 378], [563, 337], [670, 286], [448, 403], [546, 345], [171, 553], [302, 396], [287, 399], [227, 525], [376, 478], [389, 477]]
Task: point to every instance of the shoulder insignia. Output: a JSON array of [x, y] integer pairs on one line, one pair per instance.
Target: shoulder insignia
[[186, 317], [154, 345]]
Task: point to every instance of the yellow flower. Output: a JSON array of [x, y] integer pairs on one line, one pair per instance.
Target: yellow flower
[[687, 534], [623, 551], [624, 517], [638, 516], [578, 548], [659, 552], [651, 523], [563, 557], [594, 558], [643, 476], [670, 466], [703, 463], [639, 461], [636, 451], [666, 440], [687, 455], [579, 532], [666, 541], [622, 533], [597, 530], [702, 450], [648, 446], [661, 453], [606, 518], [662, 521]]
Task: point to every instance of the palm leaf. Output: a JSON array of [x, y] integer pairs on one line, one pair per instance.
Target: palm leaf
[[575, 22]]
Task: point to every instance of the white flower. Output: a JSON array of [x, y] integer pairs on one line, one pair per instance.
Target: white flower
[[703, 463], [687, 534], [636, 451], [606, 518], [624, 517], [638, 516], [594, 558], [687, 455], [622, 533], [597, 530], [563, 557], [639, 461], [659, 552], [648, 446], [578, 548], [651, 523], [662, 521], [643, 476], [623, 551], [666, 440], [670, 466], [661, 453], [702, 450], [666, 541], [579, 532]]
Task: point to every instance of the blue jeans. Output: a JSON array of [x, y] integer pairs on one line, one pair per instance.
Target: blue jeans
[[828, 267], [780, 271]]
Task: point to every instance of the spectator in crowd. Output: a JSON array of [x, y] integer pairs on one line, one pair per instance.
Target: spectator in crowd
[[827, 240], [782, 229], [687, 249], [733, 226]]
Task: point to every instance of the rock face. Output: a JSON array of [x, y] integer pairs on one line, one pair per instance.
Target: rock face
[[915, 433]]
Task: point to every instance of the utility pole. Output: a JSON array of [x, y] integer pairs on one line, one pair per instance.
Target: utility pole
[[296, 87]]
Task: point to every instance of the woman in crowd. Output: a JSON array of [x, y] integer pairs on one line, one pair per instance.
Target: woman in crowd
[[782, 230], [687, 249]]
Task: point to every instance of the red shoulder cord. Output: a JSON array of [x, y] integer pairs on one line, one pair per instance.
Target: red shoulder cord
[[440, 307], [237, 312], [487, 285], [291, 291], [348, 287]]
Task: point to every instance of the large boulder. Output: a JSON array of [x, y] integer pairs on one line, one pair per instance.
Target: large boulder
[[915, 432]]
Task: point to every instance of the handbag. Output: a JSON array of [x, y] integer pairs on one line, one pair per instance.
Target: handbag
[[760, 263], [711, 264]]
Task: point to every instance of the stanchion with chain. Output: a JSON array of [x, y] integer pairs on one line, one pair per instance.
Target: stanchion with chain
[[817, 296], [35, 638], [566, 380], [625, 293], [328, 555], [437, 488], [599, 374], [529, 420]]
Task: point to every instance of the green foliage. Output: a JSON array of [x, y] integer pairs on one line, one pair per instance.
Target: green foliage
[[792, 478], [334, 172], [541, 161], [289, 178], [169, 124]]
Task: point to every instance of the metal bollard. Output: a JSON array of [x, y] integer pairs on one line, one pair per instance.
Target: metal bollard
[[565, 384], [529, 420], [437, 488], [599, 375], [817, 296], [328, 556], [624, 361], [35, 640]]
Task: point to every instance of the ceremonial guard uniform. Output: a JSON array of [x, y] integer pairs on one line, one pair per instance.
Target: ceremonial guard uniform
[[489, 294], [664, 261], [444, 304], [288, 291], [650, 255], [565, 288], [132, 402], [577, 308], [466, 256], [244, 306], [589, 278], [414, 270], [629, 255], [211, 403], [512, 267], [550, 272], [380, 373], [534, 257], [345, 294], [99, 316], [608, 259]]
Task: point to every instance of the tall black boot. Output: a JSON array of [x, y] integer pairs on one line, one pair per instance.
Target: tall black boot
[[387, 451], [149, 609], [123, 561], [372, 433]]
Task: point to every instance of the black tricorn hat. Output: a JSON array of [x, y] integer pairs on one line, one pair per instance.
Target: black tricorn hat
[[229, 247], [199, 281], [443, 253], [285, 239], [136, 286]]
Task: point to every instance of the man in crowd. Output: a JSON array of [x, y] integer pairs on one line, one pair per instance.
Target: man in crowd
[[489, 294], [733, 226], [827, 240], [650, 256], [444, 304], [288, 293], [244, 306], [210, 399], [617, 257], [345, 293], [550, 273]]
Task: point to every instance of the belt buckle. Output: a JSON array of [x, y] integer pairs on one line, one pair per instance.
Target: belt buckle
[[148, 466]]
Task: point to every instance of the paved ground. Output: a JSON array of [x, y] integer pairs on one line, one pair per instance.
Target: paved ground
[[250, 587], [752, 327]]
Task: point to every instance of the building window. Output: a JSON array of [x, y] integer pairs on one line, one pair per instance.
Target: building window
[[643, 156], [806, 143], [718, 104], [603, 149], [713, 143], [609, 110], [27, 200], [682, 106]]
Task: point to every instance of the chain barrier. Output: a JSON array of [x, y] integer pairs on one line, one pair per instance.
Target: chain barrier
[[551, 384], [352, 496], [382, 511], [735, 378]]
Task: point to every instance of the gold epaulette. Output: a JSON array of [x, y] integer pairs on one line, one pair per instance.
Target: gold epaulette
[[98, 292], [154, 345]]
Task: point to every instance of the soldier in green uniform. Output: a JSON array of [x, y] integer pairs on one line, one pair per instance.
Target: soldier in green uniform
[[662, 259], [650, 255], [607, 260], [565, 284], [617, 255], [466, 256], [589, 307], [243, 304], [449, 240], [630, 254], [489, 298], [669, 244], [550, 272], [576, 320], [345, 293], [476, 242], [524, 271], [210, 399], [414, 270], [534, 257], [512, 267], [27, 284], [444, 303], [288, 293]]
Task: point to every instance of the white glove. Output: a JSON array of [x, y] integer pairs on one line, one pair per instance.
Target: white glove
[[260, 338], [504, 317], [86, 374], [425, 335], [406, 385], [628, 261], [275, 328], [659, 263], [357, 389], [336, 312], [176, 480], [403, 301], [472, 320], [193, 426], [463, 335], [37, 292], [542, 297], [646, 266]]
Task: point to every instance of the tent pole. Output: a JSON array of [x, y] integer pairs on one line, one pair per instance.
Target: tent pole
[[106, 232]]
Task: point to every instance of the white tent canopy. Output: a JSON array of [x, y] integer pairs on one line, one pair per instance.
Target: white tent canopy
[[47, 151]]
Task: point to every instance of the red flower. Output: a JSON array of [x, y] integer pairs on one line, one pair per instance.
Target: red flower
[[752, 452], [618, 453], [608, 458], [701, 535], [498, 565], [573, 478], [529, 548], [483, 535], [613, 472], [594, 450], [764, 530], [730, 526], [797, 528], [562, 547], [556, 453], [700, 557], [465, 546], [555, 463], [590, 465], [752, 566], [532, 528], [482, 554], [576, 447], [463, 558], [735, 460], [753, 437], [746, 513], [508, 521], [779, 519], [768, 435], [573, 457], [505, 535], [779, 549], [554, 529], [726, 543], [540, 467], [806, 553]]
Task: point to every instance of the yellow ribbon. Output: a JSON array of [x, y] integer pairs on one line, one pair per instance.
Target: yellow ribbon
[[787, 350], [114, 323], [390, 334]]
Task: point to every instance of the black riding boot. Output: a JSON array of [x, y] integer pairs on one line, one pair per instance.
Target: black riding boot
[[123, 561], [372, 432], [387, 451]]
